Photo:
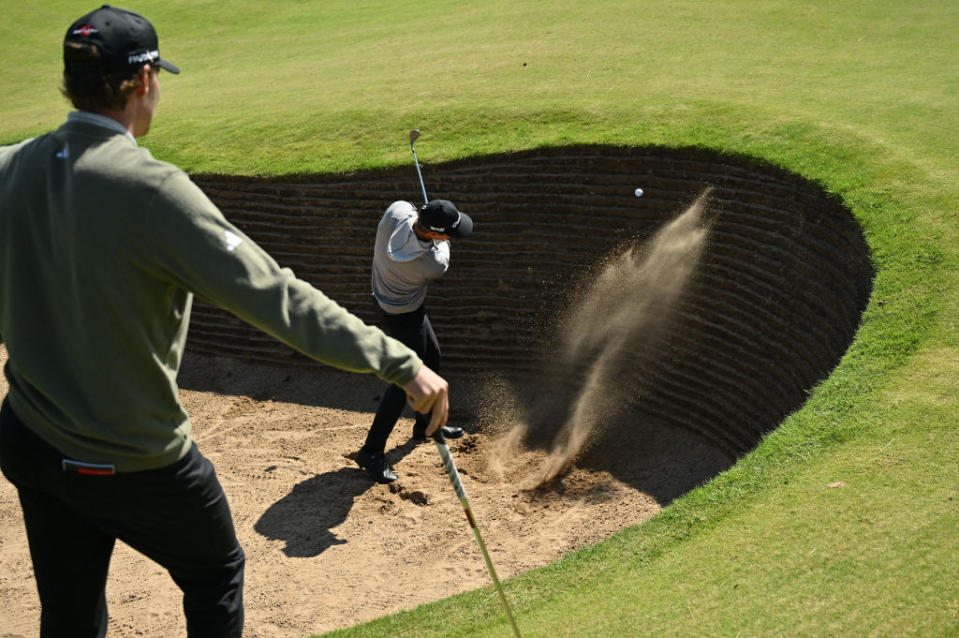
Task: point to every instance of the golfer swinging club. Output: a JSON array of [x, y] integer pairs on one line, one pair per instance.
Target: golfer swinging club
[[102, 249], [412, 248]]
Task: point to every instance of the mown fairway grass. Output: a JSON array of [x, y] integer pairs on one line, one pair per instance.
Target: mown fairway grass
[[861, 97]]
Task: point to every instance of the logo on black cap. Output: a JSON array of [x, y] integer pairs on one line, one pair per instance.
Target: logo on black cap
[[126, 40], [441, 216]]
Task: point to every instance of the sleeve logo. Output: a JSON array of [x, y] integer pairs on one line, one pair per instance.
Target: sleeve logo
[[232, 240]]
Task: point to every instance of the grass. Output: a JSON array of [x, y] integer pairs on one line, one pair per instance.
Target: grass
[[861, 97]]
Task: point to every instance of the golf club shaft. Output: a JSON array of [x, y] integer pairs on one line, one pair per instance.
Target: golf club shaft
[[416, 161], [461, 493]]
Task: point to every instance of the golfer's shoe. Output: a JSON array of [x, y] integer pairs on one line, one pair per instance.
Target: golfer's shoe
[[449, 432], [376, 466]]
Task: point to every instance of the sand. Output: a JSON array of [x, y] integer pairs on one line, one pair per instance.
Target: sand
[[326, 547]]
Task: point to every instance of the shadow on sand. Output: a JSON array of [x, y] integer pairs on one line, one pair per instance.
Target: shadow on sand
[[305, 518]]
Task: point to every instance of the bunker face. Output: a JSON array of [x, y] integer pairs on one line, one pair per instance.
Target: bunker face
[[768, 313]]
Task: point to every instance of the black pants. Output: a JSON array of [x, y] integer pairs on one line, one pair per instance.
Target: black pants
[[177, 515], [415, 331]]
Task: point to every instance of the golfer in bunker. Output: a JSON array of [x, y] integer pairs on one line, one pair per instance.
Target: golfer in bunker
[[412, 248], [102, 248]]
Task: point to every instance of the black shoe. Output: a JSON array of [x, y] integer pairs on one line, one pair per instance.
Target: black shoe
[[449, 432], [375, 465]]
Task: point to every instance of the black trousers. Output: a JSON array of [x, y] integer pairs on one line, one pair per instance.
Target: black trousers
[[177, 515], [415, 331]]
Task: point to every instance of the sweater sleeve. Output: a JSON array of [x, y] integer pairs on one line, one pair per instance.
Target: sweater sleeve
[[190, 242]]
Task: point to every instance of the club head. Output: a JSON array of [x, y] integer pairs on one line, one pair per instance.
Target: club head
[[414, 135]]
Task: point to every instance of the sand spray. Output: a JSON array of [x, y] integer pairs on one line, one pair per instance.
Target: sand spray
[[618, 315]]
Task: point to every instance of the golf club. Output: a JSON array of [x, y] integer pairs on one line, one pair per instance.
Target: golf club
[[414, 135], [461, 493]]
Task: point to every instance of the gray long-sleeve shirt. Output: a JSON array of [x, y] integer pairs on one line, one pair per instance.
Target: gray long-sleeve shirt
[[404, 264], [102, 248]]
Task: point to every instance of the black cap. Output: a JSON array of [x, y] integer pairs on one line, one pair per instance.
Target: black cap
[[126, 40], [441, 216]]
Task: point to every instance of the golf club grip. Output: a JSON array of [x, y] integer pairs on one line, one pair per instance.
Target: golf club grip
[[450, 466]]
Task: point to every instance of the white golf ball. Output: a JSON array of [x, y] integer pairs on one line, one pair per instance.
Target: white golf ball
[[639, 192]]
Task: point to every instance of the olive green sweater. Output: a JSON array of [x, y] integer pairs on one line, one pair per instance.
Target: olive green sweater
[[102, 248]]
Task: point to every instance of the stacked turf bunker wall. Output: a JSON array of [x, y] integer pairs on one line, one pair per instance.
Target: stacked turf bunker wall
[[771, 309]]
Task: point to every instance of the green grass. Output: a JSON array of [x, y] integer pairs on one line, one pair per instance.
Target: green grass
[[861, 97]]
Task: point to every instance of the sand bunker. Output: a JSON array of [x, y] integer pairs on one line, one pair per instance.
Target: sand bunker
[[777, 299], [718, 341]]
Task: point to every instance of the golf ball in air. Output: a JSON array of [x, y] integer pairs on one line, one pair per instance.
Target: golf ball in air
[[639, 192]]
